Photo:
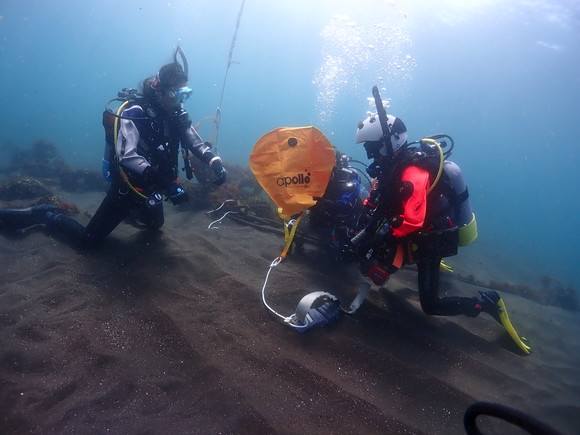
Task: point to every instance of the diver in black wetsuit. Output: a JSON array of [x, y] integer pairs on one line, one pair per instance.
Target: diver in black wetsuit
[[150, 127], [334, 217]]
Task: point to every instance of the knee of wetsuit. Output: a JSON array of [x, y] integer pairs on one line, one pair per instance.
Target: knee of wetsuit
[[60, 223], [153, 223]]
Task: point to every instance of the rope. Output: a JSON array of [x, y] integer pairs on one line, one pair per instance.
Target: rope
[[209, 227], [223, 203], [218, 112], [220, 219], [287, 319], [274, 263]]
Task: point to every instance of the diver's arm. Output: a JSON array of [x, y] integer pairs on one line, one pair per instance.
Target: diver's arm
[[128, 141], [193, 142]]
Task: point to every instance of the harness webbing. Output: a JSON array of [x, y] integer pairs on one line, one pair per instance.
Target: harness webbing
[[290, 228]]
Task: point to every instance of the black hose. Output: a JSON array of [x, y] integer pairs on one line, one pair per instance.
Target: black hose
[[511, 415], [365, 176]]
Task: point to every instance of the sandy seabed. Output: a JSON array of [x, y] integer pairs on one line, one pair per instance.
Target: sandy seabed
[[166, 332]]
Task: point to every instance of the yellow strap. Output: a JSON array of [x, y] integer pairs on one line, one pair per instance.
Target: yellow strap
[[399, 257], [289, 236]]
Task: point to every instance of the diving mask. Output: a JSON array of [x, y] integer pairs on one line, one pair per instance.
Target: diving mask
[[180, 95]]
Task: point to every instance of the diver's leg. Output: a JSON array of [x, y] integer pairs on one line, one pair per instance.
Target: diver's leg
[[153, 217], [48, 214], [488, 302], [12, 219], [429, 293], [60, 224], [112, 211]]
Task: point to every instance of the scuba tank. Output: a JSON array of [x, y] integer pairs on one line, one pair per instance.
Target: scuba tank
[[109, 121], [455, 196]]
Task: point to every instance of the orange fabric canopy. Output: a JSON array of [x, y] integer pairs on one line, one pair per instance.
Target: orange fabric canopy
[[293, 164]]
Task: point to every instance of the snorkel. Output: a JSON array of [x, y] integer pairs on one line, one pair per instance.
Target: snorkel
[[185, 65], [381, 161], [183, 93], [382, 114]]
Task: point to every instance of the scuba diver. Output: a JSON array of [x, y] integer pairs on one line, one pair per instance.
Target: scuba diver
[[141, 160], [418, 211], [335, 215]]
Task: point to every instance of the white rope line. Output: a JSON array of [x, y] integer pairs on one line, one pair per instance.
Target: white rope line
[[223, 203], [287, 319], [219, 220]]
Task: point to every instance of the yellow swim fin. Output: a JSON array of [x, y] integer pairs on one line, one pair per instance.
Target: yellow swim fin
[[445, 267], [505, 321]]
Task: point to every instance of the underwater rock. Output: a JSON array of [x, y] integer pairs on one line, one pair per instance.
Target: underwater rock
[[240, 185], [552, 292], [23, 192], [44, 161], [81, 180], [16, 188]]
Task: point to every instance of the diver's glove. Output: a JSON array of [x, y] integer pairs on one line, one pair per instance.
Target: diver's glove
[[374, 271], [325, 314], [176, 193], [219, 171]]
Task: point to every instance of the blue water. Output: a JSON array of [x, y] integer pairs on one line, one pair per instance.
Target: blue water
[[502, 78]]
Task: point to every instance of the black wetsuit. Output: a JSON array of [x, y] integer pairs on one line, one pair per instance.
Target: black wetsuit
[[431, 303], [147, 153]]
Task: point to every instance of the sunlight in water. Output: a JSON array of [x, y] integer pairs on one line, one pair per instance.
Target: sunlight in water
[[351, 50]]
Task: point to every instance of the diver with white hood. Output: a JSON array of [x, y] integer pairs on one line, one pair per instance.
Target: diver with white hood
[[418, 211]]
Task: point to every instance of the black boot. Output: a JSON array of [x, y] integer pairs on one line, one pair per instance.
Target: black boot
[[488, 303]]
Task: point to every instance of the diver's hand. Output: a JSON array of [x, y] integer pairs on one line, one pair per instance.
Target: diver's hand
[[219, 171], [176, 193], [151, 175]]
